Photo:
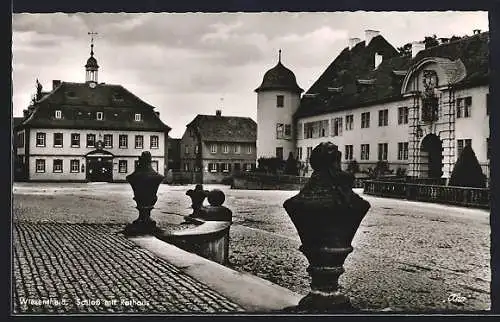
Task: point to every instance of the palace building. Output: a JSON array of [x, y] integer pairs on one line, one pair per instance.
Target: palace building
[[87, 131], [415, 110]]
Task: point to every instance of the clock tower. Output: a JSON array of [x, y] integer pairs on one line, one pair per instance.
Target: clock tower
[[91, 68]]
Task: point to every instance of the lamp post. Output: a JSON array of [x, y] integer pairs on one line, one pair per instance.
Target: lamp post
[[145, 182], [326, 214]]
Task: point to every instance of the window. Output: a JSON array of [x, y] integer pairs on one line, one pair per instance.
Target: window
[[299, 153], [108, 140], [123, 141], [75, 140], [212, 167], [74, 166], [249, 149], [99, 116], [90, 140], [365, 152], [213, 148], [225, 148], [153, 142], [488, 148], [58, 140], [308, 153], [139, 141], [57, 165], [488, 104], [122, 166], [279, 130], [337, 126], [186, 166], [288, 130], [382, 151], [280, 101], [309, 130], [40, 165], [383, 117], [137, 117], [20, 139], [323, 128], [237, 148], [279, 153], [365, 120], [403, 115], [402, 150], [461, 144], [40, 139], [348, 152], [464, 106], [300, 131], [58, 114], [196, 149], [225, 167], [349, 122], [154, 165]]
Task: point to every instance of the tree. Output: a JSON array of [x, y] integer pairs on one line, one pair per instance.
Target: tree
[[431, 41], [353, 166], [405, 50], [467, 172], [291, 166]]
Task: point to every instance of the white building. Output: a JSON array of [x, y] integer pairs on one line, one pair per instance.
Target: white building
[[87, 132], [415, 111]]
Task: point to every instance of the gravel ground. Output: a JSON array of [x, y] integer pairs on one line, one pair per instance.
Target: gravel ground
[[407, 256]]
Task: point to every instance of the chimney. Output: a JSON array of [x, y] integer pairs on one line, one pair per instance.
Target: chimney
[[416, 47], [218, 113], [378, 59], [476, 31], [55, 83], [369, 35], [353, 42]]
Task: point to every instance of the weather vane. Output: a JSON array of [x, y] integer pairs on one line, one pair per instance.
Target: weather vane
[[92, 34]]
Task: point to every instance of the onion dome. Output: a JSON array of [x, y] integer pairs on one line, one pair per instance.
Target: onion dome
[[279, 78]]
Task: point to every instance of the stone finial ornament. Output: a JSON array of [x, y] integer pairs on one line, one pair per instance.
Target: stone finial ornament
[[326, 214]]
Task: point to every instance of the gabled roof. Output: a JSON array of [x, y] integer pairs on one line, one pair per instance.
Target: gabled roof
[[357, 63], [225, 128], [79, 102]]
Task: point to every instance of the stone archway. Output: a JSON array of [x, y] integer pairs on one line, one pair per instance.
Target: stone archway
[[431, 157], [99, 166]]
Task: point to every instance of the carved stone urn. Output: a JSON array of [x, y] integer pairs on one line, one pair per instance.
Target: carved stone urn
[[145, 182], [326, 214]]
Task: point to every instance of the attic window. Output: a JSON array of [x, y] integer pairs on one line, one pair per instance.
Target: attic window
[[335, 89], [137, 117], [58, 114], [118, 96], [99, 116], [311, 95], [366, 81]]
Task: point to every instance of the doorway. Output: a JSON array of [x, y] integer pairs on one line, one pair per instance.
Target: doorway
[[431, 157]]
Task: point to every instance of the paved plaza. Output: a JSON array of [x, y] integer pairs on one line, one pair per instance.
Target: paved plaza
[[408, 256]]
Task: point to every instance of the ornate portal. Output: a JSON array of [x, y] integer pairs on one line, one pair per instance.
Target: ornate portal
[[430, 103]]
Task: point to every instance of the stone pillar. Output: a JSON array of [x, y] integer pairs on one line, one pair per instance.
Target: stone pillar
[[326, 214]]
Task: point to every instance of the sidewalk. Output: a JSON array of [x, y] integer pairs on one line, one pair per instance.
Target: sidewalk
[[92, 268]]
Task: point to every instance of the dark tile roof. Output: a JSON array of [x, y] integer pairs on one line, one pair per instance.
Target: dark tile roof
[[225, 128], [17, 121], [79, 104], [279, 78], [355, 64]]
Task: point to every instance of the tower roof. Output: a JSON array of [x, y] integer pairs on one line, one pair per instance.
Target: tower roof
[[92, 62], [279, 78]]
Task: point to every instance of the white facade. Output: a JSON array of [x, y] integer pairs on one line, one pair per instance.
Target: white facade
[[123, 158], [275, 128]]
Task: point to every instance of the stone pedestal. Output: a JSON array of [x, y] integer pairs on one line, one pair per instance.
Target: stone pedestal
[[326, 214]]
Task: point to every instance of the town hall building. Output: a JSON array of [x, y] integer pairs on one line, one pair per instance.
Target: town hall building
[[87, 131], [415, 110]]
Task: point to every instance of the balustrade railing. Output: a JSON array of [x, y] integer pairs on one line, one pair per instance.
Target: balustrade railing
[[463, 196]]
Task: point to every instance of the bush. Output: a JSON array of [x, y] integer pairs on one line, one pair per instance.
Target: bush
[[467, 172], [353, 167], [227, 181], [401, 172], [271, 165], [381, 169], [291, 166]]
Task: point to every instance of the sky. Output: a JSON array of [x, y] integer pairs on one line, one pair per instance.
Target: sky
[[186, 64]]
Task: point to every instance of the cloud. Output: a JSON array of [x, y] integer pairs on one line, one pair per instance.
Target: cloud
[[183, 63]]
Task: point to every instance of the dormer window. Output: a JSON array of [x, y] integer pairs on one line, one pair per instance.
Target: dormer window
[[99, 116], [117, 96], [58, 114], [138, 117]]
